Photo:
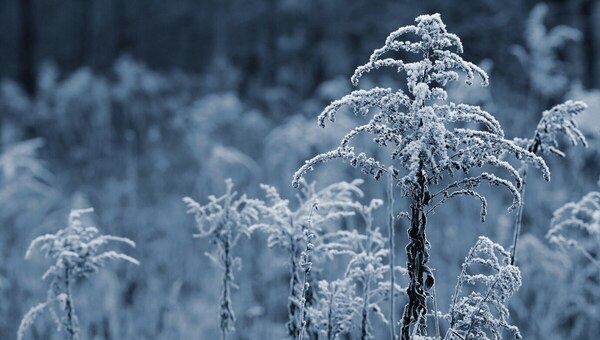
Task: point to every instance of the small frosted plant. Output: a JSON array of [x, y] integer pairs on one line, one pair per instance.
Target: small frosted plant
[[287, 229], [223, 220], [335, 312], [77, 252], [366, 269], [554, 122], [576, 225], [575, 230], [426, 137], [367, 266], [483, 313]]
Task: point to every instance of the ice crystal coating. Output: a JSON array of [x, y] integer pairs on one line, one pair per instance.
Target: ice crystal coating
[[558, 120], [422, 131]]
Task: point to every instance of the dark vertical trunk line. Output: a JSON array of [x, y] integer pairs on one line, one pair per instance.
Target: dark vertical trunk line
[[122, 37], [417, 257], [85, 32], [26, 45], [591, 42]]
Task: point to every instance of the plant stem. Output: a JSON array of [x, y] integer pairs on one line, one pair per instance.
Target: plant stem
[[390, 197], [519, 219], [330, 334], [226, 311], [417, 257], [294, 280], [364, 323], [69, 310], [307, 266], [435, 307], [303, 301]]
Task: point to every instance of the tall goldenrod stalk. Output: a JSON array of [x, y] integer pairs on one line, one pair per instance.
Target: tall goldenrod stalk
[[223, 220], [417, 125]]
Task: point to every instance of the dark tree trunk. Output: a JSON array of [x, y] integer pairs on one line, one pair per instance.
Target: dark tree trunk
[[85, 32], [420, 278], [26, 46], [122, 36], [590, 12]]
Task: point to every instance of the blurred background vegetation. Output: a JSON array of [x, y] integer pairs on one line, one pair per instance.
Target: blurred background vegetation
[[129, 105]]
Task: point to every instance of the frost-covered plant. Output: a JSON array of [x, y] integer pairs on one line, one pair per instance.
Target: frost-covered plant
[[559, 120], [23, 176], [335, 311], [287, 228], [77, 252], [223, 220], [483, 313], [427, 137], [576, 225], [367, 266], [546, 72]]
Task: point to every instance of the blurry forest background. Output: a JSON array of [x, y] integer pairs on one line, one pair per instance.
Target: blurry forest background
[[129, 105]]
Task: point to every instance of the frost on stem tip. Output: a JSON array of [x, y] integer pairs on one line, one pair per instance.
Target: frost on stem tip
[[556, 121]]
